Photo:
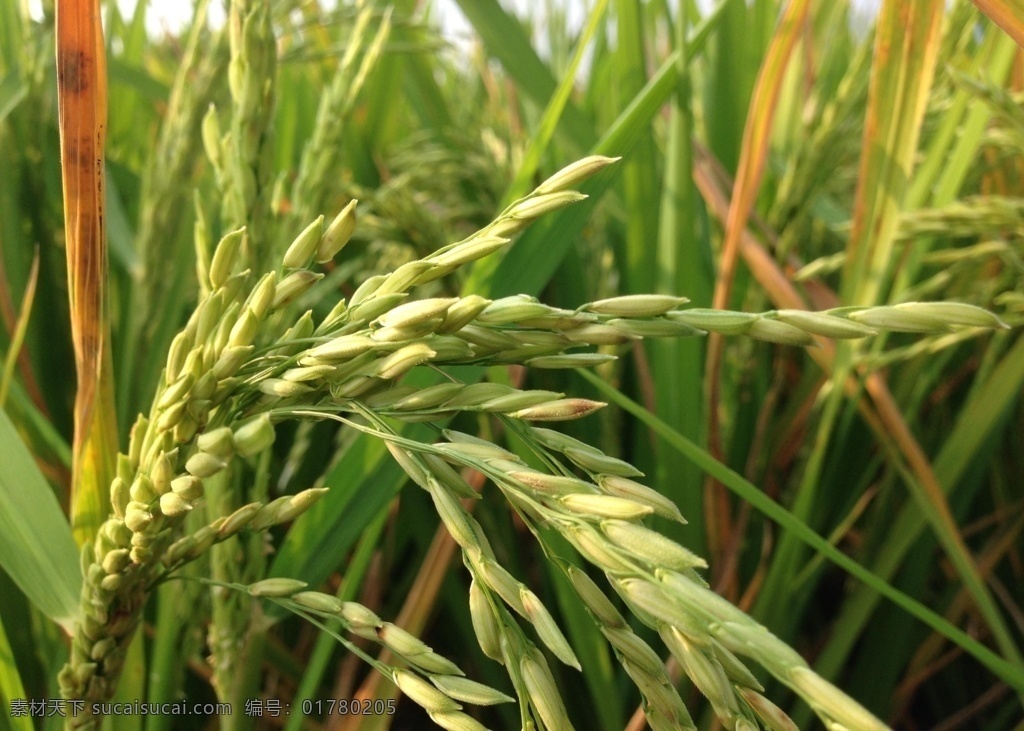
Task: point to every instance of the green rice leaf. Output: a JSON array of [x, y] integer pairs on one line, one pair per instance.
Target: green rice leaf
[[11, 686], [12, 92], [505, 39], [36, 547]]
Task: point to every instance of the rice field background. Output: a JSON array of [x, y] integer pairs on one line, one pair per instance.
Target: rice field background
[[861, 498]]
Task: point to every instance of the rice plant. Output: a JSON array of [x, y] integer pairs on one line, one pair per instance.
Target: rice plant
[[326, 278]]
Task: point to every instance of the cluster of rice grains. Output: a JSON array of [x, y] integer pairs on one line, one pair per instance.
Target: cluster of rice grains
[[241, 364], [655, 577], [447, 683]]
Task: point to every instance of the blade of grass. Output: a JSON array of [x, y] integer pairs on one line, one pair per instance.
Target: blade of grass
[[132, 686], [1011, 673], [11, 686], [504, 38], [29, 402], [732, 70], [12, 92], [47, 444], [12, 19], [639, 185], [18, 336], [841, 531], [420, 83], [127, 65], [1007, 14], [82, 100], [36, 547]]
